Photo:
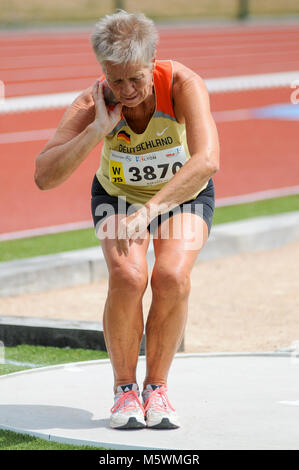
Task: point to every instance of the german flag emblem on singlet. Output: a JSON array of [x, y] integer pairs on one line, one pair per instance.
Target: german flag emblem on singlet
[[123, 135]]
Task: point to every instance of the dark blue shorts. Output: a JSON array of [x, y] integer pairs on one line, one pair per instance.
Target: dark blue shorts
[[203, 206]]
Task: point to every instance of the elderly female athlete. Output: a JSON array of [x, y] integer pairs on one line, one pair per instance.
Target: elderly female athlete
[[160, 152]]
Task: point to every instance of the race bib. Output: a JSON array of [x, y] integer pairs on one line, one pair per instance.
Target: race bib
[[145, 170]]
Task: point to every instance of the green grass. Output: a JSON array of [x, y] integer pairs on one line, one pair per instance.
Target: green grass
[[86, 238], [256, 209], [47, 244], [43, 356], [14, 441]]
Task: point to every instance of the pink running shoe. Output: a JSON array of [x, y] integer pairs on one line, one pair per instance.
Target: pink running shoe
[[159, 413], [127, 411]]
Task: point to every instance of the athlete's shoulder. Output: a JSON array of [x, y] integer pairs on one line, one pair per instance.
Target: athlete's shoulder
[[183, 75], [189, 91]]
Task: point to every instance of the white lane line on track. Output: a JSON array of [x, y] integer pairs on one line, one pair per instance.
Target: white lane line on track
[[29, 61], [251, 82], [221, 202], [192, 44], [46, 230], [202, 58], [45, 134], [37, 102], [257, 196], [214, 85], [26, 136], [232, 115]]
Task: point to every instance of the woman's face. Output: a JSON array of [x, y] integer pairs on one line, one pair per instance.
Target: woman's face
[[131, 84]]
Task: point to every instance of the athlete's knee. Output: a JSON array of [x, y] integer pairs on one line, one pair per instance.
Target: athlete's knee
[[130, 278], [170, 280]]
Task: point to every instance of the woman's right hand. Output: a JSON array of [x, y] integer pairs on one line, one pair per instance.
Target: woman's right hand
[[106, 118]]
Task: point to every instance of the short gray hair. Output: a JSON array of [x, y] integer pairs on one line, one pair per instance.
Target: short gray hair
[[124, 38]]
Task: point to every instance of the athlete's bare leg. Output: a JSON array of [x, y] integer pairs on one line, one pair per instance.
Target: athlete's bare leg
[[170, 284], [123, 316]]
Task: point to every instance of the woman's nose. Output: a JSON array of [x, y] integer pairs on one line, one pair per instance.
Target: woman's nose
[[128, 89]]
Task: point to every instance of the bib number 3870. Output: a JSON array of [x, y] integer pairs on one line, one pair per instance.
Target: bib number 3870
[[150, 173], [148, 169]]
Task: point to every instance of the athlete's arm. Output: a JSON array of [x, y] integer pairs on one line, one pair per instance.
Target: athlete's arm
[[191, 106], [85, 123]]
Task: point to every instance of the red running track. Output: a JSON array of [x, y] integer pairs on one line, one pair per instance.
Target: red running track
[[256, 155], [49, 63]]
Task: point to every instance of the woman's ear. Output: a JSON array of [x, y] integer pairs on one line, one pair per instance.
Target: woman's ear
[[153, 62]]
